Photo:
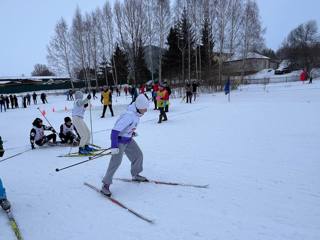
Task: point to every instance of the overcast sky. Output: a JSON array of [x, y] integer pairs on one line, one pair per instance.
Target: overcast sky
[[26, 26]]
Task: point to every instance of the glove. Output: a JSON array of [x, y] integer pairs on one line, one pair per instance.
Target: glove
[[114, 151], [89, 96], [86, 105], [135, 134]]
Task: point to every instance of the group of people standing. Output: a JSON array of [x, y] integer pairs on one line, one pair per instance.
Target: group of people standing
[[12, 100], [191, 90]]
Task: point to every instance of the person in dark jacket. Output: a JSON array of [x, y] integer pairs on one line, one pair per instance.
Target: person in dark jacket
[[34, 97], [28, 99], [12, 101], [195, 86], [16, 103], [2, 103], [7, 101], [188, 93]]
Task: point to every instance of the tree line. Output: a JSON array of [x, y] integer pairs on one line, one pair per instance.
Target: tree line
[[133, 41]]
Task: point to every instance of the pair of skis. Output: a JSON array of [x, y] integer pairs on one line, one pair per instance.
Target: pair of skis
[[118, 203], [14, 225]]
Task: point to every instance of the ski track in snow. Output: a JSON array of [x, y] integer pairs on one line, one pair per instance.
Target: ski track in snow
[[259, 154]]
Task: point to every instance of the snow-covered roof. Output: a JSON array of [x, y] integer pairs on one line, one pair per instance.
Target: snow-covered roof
[[33, 78], [4, 82], [251, 55]]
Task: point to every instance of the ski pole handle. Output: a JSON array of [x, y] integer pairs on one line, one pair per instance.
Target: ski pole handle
[[101, 154]]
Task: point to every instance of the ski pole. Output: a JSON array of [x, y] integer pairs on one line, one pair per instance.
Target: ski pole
[[60, 169], [17, 154], [45, 118]]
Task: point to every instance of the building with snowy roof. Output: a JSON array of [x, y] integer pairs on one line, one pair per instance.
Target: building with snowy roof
[[254, 62]]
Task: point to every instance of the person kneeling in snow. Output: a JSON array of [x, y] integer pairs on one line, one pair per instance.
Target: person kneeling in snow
[[122, 142], [37, 134], [4, 203], [67, 132]]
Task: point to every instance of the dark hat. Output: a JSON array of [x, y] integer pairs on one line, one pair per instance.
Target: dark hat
[[37, 122], [67, 119]]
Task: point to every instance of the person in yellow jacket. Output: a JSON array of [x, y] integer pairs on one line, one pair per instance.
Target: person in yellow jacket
[[162, 98], [106, 100]]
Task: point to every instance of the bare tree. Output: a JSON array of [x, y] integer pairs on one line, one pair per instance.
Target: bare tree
[[197, 17], [150, 19], [108, 26], [234, 26], [302, 46], [78, 43], [59, 49], [162, 18], [41, 70], [222, 20], [251, 32], [130, 20]]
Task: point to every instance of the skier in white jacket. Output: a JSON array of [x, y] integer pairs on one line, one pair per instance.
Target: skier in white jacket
[[79, 108], [122, 142]]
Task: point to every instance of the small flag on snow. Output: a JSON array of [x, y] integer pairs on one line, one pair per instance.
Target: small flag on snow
[[43, 113], [65, 108], [53, 110]]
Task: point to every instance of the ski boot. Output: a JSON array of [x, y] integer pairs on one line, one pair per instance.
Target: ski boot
[[105, 190], [5, 204], [90, 149], [139, 178], [83, 151]]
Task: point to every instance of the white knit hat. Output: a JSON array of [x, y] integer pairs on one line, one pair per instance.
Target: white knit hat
[[142, 102], [78, 95]]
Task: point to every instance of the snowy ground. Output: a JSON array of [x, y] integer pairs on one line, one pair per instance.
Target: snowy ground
[[259, 153]]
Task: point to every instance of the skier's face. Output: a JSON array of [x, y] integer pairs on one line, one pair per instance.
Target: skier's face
[[143, 111]]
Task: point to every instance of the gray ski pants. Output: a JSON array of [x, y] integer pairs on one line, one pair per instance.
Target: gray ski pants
[[135, 156]]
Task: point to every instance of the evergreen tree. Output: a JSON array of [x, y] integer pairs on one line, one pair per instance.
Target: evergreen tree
[[120, 65], [186, 45], [172, 57], [142, 73], [206, 48]]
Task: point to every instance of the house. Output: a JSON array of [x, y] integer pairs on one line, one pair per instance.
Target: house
[[254, 62]]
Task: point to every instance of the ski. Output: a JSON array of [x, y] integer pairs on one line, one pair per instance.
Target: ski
[[14, 225], [119, 203], [91, 154], [163, 182]]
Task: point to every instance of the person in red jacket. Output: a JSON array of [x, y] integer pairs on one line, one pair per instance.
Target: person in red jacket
[[142, 89], [304, 75], [155, 89]]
